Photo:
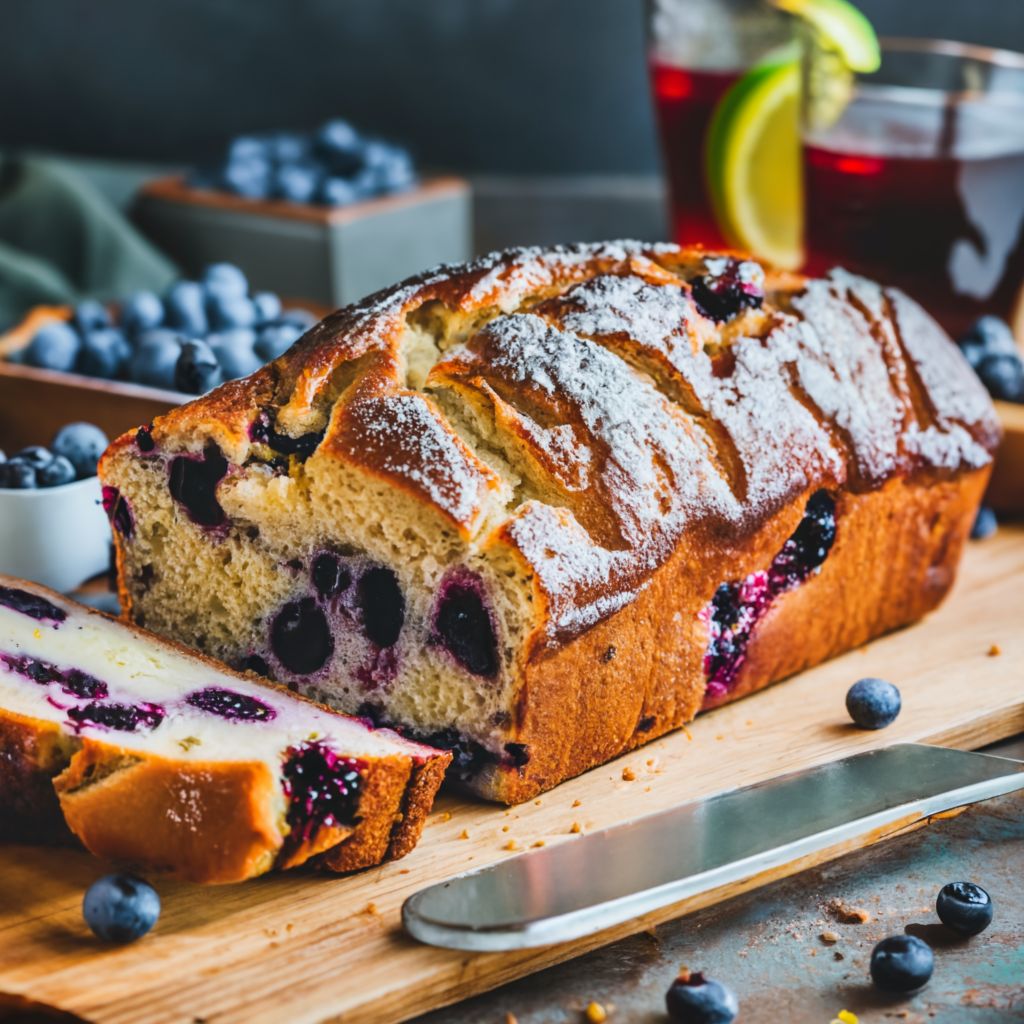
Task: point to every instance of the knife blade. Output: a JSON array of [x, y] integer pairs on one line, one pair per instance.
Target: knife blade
[[585, 885]]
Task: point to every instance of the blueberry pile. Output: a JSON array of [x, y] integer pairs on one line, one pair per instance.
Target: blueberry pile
[[72, 455], [332, 166], [990, 348], [198, 335]]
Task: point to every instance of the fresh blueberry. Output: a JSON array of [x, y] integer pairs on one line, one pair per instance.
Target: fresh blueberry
[[873, 703], [964, 907], [694, 999], [185, 307], [81, 444], [274, 340], [35, 456], [390, 167], [287, 147], [338, 143], [56, 472], [224, 279], [17, 476], [120, 908], [989, 335], [1003, 376], [250, 178], [155, 359], [267, 306], [336, 191], [226, 311], [234, 351], [197, 370], [985, 523], [141, 311], [54, 347], [89, 315], [105, 352], [901, 963], [247, 147], [297, 183]]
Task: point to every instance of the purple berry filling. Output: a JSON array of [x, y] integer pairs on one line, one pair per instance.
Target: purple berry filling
[[235, 707], [122, 717], [263, 431], [728, 287], [330, 577], [72, 681], [31, 605], [322, 788], [300, 637], [736, 608], [118, 511], [193, 483], [144, 439], [463, 626], [382, 605]]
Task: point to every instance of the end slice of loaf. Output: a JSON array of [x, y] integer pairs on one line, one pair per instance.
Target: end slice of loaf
[[546, 506], [161, 758]]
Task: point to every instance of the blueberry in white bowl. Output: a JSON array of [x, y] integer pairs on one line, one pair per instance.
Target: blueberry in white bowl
[[52, 525]]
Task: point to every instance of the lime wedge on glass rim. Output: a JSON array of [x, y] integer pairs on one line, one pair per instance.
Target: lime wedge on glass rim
[[752, 152]]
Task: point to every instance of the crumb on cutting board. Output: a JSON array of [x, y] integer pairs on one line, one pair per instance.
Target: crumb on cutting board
[[847, 914]]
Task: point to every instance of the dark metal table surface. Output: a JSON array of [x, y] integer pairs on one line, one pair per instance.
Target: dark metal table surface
[[768, 946]]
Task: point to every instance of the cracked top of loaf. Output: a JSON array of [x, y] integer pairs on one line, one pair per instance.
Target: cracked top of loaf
[[586, 405]]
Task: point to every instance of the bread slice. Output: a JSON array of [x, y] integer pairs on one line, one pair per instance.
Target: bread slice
[[156, 756], [548, 505]]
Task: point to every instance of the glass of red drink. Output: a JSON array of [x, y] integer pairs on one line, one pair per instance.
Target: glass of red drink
[[920, 181], [698, 49]]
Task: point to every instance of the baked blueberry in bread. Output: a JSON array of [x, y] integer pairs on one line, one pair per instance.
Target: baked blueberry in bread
[[549, 505], [157, 756]]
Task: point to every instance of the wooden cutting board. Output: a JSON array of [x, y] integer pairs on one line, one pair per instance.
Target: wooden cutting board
[[309, 948]]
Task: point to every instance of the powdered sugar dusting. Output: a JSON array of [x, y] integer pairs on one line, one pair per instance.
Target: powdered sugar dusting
[[404, 436]]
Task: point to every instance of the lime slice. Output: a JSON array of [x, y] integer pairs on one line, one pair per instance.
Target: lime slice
[[753, 163], [840, 27]]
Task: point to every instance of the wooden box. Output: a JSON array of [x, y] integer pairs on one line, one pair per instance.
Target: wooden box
[[331, 255]]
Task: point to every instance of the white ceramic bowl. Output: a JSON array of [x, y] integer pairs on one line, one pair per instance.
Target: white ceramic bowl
[[57, 536]]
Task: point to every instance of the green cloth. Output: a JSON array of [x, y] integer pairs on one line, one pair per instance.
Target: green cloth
[[61, 241]]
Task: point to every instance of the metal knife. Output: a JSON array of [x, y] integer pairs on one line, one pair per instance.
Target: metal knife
[[584, 885]]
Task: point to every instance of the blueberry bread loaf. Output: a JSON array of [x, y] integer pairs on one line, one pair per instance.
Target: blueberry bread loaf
[[546, 506], [157, 756]]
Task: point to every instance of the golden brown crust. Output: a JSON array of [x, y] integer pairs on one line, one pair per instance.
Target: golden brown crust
[[661, 452], [203, 822], [894, 560]]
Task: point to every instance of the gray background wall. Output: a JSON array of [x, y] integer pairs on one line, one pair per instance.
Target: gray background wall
[[479, 86]]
